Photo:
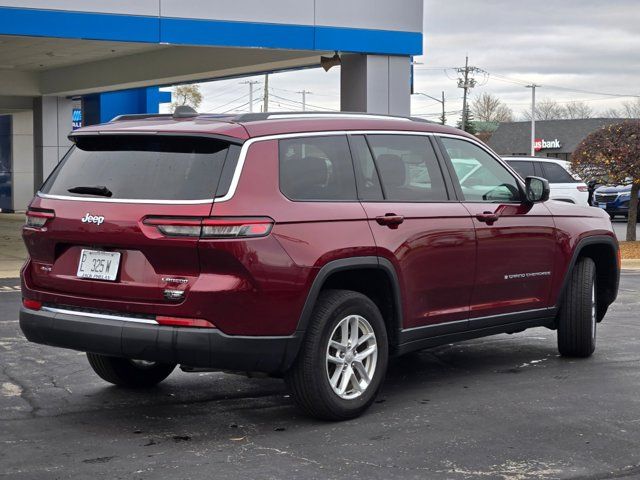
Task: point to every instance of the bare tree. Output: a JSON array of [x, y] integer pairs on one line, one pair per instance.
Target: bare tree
[[186, 95], [631, 109], [611, 113], [489, 108], [576, 110], [546, 110]]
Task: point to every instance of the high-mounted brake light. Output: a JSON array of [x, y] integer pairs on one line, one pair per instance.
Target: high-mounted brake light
[[31, 304], [213, 227], [184, 322], [38, 219]]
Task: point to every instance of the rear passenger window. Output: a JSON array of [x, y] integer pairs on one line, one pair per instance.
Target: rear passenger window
[[525, 169], [408, 168], [317, 168], [554, 173]]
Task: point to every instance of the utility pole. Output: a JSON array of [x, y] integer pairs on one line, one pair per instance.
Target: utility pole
[[251, 83], [533, 118], [266, 92], [304, 98], [466, 82]]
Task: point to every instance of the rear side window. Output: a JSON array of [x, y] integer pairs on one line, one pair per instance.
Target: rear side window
[[144, 167], [554, 173], [525, 169], [317, 168], [408, 168]]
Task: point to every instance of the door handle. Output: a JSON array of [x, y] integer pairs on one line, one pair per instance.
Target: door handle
[[488, 217], [391, 220]]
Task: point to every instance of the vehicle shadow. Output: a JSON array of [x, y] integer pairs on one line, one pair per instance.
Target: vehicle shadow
[[228, 406]]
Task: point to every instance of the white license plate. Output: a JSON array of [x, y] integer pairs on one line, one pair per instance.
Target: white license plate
[[98, 265], [602, 205]]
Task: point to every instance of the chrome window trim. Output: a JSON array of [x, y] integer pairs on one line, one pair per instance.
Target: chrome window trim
[[123, 200], [77, 313], [243, 155]]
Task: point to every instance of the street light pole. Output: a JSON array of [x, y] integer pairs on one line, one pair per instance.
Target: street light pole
[[442, 118], [533, 118]]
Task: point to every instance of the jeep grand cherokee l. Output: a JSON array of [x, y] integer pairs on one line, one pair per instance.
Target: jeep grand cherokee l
[[311, 247]]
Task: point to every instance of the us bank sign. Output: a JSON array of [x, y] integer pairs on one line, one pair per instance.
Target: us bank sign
[[541, 143]]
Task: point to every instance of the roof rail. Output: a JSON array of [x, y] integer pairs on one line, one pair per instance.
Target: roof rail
[[254, 117], [139, 116], [181, 111]]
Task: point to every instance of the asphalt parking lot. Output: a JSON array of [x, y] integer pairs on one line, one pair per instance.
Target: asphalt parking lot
[[504, 407]]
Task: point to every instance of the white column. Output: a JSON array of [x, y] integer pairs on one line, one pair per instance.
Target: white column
[[375, 84], [23, 159], [52, 124]]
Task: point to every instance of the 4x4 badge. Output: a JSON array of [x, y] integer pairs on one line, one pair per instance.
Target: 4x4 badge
[[97, 219]]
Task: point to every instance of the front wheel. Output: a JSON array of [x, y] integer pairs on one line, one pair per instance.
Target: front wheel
[[129, 373], [578, 313], [343, 360]]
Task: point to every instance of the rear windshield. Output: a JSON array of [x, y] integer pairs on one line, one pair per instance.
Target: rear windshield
[[145, 167]]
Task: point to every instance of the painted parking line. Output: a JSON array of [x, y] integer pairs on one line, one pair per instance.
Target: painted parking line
[[11, 289]]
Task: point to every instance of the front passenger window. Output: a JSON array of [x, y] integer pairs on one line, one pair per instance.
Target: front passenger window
[[481, 177]]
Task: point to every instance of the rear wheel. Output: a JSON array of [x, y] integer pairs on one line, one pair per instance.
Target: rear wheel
[[578, 313], [343, 359], [129, 373]]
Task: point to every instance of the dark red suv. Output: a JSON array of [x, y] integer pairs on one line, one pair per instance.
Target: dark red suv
[[307, 246]]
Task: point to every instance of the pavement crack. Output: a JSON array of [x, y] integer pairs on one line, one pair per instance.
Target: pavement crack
[[25, 392]]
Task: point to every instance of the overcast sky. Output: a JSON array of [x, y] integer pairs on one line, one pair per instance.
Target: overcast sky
[[586, 45]]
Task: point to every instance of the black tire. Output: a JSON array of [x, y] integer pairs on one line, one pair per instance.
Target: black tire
[[308, 378], [577, 316], [125, 373]]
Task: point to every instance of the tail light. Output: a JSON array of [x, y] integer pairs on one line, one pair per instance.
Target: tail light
[[236, 227], [177, 227], [582, 188], [38, 218], [31, 304], [213, 227]]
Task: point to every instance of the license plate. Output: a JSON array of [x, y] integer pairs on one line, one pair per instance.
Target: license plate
[[98, 265], [602, 205]]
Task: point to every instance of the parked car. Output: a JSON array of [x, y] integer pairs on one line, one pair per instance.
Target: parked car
[[305, 246], [565, 186], [614, 200]]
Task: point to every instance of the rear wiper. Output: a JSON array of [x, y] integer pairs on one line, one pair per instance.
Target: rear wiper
[[91, 190]]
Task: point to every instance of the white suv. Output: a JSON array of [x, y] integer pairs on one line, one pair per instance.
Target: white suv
[[565, 186]]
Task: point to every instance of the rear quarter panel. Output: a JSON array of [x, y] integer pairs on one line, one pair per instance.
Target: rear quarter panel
[[306, 236]]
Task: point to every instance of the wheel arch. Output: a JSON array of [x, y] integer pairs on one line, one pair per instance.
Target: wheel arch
[[603, 250], [372, 276]]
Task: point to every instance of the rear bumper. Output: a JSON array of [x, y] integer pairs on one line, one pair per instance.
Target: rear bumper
[[196, 347]]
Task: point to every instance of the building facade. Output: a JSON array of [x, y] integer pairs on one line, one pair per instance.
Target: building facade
[[554, 138], [53, 52]]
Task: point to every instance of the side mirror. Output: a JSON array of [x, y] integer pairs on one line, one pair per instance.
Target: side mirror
[[536, 189]]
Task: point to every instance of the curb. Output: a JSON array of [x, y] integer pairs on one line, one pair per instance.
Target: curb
[[631, 264]]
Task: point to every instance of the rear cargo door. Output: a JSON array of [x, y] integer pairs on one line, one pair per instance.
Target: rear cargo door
[[127, 211]]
